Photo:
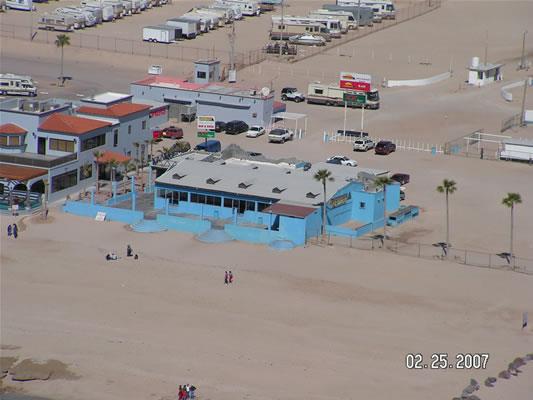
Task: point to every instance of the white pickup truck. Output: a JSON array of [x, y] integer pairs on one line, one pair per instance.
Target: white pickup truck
[[280, 135]]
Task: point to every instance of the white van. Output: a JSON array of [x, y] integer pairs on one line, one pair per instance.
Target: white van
[[17, 85]]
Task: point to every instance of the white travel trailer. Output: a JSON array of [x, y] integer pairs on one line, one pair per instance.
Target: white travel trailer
[[108, 11], [202, 21], [288, 29], [224, 13], [247, 7], [118, 7], [189, 28], [24, 5], [333, 25], [17, 85], [347, 19], [517, 149], [210, 20], [161, 34], [237, 12], [222, 16], [127, 8], [96, 12], [384, 8], [85, 16], [55, 22]]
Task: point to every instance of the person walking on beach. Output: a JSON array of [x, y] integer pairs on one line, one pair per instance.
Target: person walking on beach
[[181, 393], [15, 231], [9, 230], [187, 390], [226, 277], [230, 277], [129, 251]]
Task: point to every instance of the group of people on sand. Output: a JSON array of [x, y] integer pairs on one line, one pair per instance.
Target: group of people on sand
[[13, 230], [228, 277], [186, 392], [129, 253]]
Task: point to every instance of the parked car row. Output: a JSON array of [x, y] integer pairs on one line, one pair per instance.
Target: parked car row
[[93, 12]]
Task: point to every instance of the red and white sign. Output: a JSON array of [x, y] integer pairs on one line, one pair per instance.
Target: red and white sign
[[355, 81], [158, 113]]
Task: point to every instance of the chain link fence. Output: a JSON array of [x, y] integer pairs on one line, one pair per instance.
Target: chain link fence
[[429, 251], [177, 51]]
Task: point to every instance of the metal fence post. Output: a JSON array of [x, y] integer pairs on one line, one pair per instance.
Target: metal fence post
[[466, 253]]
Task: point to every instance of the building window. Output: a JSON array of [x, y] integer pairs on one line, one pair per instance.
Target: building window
[[86, 171], [228, 202], [3, 140], [183, 196], [14, 140], [319, 91], [93, 142], [144, 124], [129, 129], [250, 205], [362, 204], [115, 138], [213, 200], [200, 74], [262, 206], [62, 145], [64, 181]]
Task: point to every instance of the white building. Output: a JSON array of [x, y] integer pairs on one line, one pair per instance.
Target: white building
[[480, 74]]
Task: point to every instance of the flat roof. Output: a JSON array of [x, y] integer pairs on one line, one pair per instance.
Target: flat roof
[[18, 173], [212, 87], [107, 97], [271, 181], [484, 67], [162, 26], [523, 142], [154, 105], [289, 210]]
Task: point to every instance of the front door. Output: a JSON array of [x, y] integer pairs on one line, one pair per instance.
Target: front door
[[41, 145]]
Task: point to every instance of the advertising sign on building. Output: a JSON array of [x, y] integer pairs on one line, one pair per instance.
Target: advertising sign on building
[[205, 126], [355, 81]]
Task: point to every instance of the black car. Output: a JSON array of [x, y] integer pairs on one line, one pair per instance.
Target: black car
[[402, 179], [385, 147], [236, 127], [220, 126]]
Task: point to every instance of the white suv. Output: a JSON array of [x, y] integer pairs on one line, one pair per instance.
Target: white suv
[[363, 144]]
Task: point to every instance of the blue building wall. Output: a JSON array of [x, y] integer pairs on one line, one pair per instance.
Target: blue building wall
[[112, 214]]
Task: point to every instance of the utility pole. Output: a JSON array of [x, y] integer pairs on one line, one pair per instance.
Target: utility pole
[[282, 29], [523, 109], [232, 74], [523, 60], [486, 45], [358, 13]]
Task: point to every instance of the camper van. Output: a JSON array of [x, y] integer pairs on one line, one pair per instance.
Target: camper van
[[24, 5], [86, 17], [332, 25], [17, 85], [333, 95], [287, 30], [56, 22], [345, 17], [247, 7], [189, 28]]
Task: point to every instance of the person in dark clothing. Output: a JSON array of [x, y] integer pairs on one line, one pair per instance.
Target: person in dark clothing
[[136, 257], [15, 231], [9, 230], [226, 278], [129, 251], [230, 277]]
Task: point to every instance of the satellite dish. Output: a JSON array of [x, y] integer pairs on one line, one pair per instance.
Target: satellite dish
[[265, 91]]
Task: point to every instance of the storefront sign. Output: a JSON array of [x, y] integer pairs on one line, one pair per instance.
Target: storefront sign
[[339, 200], [158, 113], [355, 81], [205, 123]]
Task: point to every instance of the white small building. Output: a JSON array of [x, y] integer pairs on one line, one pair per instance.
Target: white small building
[[480, 74]]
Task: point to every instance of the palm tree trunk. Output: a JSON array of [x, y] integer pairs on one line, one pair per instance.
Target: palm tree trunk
[[385, 211], [324, 214], [447, 221], [97, 176], [61, 76], [512, 229]]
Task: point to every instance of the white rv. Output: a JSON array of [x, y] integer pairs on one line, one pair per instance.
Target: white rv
[[86, 17], [24, 5], [333, 25], [202, 21], [347, 19], [517, 149], [247, 7], [17, 85], [227, 13], [55, 22], [384, 8], [237, 12], [222, 16], [189, 28], [108, 11], [210, 20], [96, 12], [287, 29]]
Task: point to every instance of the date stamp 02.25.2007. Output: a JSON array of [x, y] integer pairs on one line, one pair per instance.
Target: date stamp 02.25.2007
[[445, 361]]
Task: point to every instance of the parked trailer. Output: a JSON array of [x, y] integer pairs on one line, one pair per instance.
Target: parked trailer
[[517, 149], [222, 17], [347, 19], [107, 12], [363, 15], [385, 8], [333, 26], [333, 95], [210, 20], [117, 6], [17, 85], [24, 5], [86, 16], [234, 9], [97, 13], [293, 28], [161, 34], [250, 8], [189, 28], [56, 22], [203, 21]]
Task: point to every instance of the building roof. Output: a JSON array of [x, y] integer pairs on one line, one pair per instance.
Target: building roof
[[519, 142], [115, 111], [484, 67], [71, 124], [107, 98], [18, 173], [289, 210], [277, 182], [12, 129], [107, 156]]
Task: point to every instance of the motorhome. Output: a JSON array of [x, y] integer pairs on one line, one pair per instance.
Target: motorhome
[[384, 8], [287, 30], [96, 13], [24, 5], [247, 7], [161, 34], [363, 15], [333, 26], [189, 28], [117, 6], [333, 95], [55, 22], [237, 12], [17, 85], [347, 19], [85, 16]]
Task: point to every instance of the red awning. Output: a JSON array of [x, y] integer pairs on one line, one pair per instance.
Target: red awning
[[108, 156]]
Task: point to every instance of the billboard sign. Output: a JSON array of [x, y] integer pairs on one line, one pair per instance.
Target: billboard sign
[[205, 123], [206, 134], [354, 99], [355, 81]]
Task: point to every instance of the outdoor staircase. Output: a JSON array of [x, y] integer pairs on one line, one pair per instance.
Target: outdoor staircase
[[147, 226]]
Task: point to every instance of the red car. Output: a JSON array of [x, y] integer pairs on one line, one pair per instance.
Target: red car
[[157, 134], [173, 132]]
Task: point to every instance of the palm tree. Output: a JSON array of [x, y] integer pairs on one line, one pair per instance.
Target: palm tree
[[323, 176], [136, 144], [62, 41], [448, 187], [113, 164], [510, 200], [86, 170], [382, 182], [97, 155]]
